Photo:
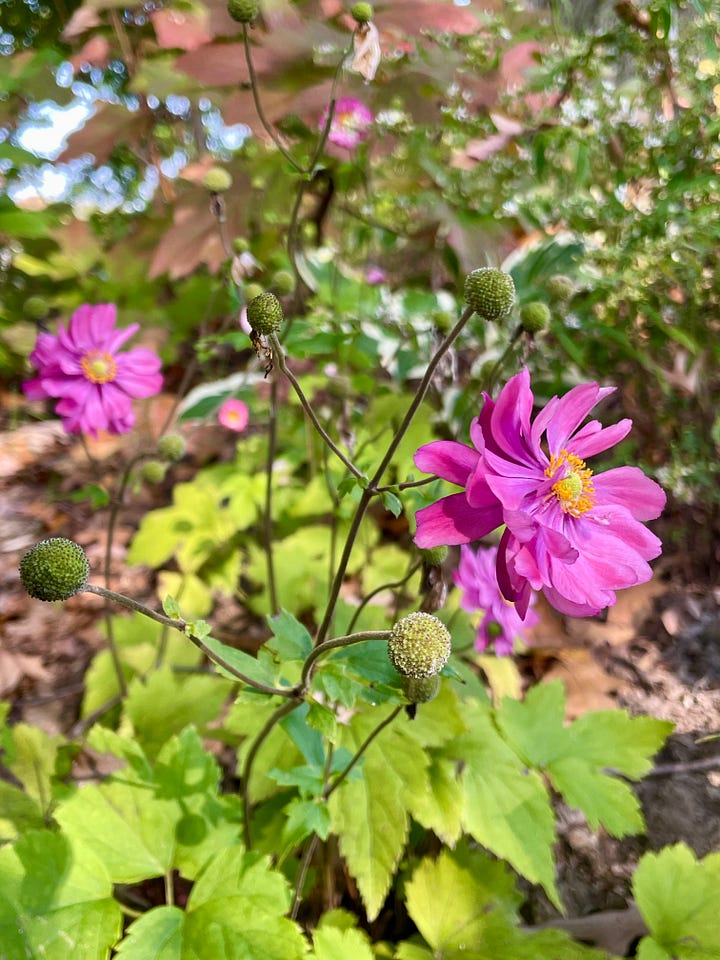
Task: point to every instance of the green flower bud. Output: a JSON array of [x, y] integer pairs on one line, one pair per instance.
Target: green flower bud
[[253, 290], [36, 308], [560, 287], [264, 313], [217, 180], [240, 245], [362, 12], [153, 471], [434, 555], [171, 447], [244, 11], [54, 569], [490, 293], [535, 316], [283, 282], [421, 689], [419, 645]]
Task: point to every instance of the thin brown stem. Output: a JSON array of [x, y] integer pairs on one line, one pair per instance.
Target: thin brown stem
[[331, 788], [267, 516]]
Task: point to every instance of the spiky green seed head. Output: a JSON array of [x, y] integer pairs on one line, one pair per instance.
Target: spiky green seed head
[[153, 471], [217, 180], [362, 12], [244, 11], [560, 287], [434, 555], [419, 645], [421, 689], [36, 308], [490, 293], [54, 569], [535, 316], [283, 282], [171, 447], [264, 313]]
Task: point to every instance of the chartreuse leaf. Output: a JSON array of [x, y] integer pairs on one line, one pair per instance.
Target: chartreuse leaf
[[679, 898], [369, 815], [329, 943], [235, 912], [166, 702], [55, 901], [581, 758], [292, 640], [507, 808], [34, 753]]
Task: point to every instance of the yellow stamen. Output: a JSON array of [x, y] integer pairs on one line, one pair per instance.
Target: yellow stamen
[[99, 367], [574, 491]]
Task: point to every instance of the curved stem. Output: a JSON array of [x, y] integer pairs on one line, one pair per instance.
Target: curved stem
[[320, 649], [280, 357], [383, 586], [271, 722], [309, 853], [361, 750], [182, 627], [269, 129]]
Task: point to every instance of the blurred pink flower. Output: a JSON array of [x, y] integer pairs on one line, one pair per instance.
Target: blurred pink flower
[[575, 536], [234, 415], [375, 276], [350, 123], [501, 623], [83, 368]]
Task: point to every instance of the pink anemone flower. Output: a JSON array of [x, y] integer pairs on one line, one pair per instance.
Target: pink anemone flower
[[83, 368], [234, 415], [501, 624], [575, 535], [350, 124]]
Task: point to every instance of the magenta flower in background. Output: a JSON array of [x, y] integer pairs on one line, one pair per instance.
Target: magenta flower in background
[[576, 536], [375, 276], [351, 123], [234, 415], [501, 623], [83, 368]]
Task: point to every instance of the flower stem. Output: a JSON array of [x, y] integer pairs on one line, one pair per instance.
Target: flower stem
[[280, 357], [282, 711], [383, 586], [267, 518], [360, 751], [182, 627], [372, 488], [320, 649]]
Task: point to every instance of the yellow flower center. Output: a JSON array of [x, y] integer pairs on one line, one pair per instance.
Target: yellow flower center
[[99, 367], [574, 491]]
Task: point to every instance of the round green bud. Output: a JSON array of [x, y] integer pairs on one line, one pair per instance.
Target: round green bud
[[36, 308], [153, 471], [244, 11], [419, 645], [434, 555], [560, 287], [54, 569], [283, 282], [217, 180], [535, 317], [421, 689], [240, 245], [171, 447], [253, 290], [490, 293], [362, 12], [494, 630], [264, 313]]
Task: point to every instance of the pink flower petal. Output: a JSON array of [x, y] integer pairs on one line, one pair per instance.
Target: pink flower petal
[[630, 488], [452, 520], [447, 459]]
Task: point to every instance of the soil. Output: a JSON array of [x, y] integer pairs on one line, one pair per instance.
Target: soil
[[657, 652]]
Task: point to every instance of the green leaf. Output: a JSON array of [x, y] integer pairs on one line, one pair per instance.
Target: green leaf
[[439, 807], [329, 943], [678, 898], [452, 900], [185, 768], [507, 808], [33, 760], [166, 703], [292, 639], [18, 812], [392, 502], [55, 898], [171, 607], [157, 935]]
